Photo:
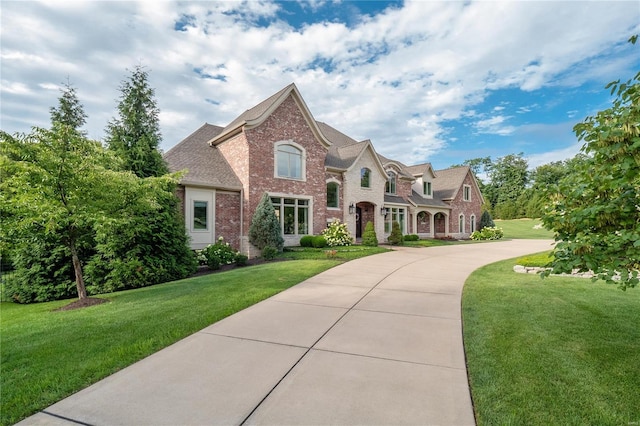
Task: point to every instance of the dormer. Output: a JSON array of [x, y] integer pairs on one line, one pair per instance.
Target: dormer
[[424, 176]]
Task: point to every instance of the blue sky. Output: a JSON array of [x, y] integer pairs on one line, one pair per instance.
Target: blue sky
[[438, 81]]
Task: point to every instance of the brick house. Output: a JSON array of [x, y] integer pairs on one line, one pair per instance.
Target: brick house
[[313, 174]]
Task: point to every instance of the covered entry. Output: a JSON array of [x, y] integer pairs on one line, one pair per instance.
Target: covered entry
[[365, 212]]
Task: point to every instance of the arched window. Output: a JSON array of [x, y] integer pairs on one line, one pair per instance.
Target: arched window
[[390, 187], [365, 178], [473, 223], [332, 195], [289, 161], [461, 223]]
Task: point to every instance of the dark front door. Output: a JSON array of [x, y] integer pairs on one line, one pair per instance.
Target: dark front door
[[358, 222]]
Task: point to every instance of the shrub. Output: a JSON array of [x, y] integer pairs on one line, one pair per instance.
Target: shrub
[[219, 254], [43, 272], [319, 241], [369, 237], [395, 238], [269, 252], [241, 259], [265, 227], [411, 237], [486, 221], [146, 245], [337, 234], [488, 233], [537, 260], [306, 241]]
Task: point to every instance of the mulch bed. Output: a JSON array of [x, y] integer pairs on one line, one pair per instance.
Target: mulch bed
[[82, 303]]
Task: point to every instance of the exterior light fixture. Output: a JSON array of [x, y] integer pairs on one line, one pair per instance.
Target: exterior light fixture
[[352, 208], [384, 211]]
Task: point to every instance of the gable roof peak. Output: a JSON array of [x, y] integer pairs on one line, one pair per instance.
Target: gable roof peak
[[258, 114]]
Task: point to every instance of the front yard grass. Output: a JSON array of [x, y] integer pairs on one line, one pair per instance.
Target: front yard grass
[[553, 351], [48, 355], [524, 229]]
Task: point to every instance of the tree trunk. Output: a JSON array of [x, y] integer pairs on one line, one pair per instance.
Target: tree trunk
[[77, 268]]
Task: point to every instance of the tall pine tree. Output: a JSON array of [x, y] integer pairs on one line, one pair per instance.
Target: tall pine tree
[[135, 134], [69, 111]]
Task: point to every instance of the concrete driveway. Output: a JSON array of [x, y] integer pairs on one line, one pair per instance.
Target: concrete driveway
[[375, 341]]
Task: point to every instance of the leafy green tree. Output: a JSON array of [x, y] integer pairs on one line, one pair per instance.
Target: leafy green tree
[[56, 184], [596, 213], [135, 134], [509, 176], [265, 227], [43, 265]]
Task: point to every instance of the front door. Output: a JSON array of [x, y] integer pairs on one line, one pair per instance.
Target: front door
[[358, 222]]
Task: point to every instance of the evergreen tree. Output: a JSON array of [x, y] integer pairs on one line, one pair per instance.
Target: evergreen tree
[[486, 221], [369, 237], [70, 111], [395, 238], [135, 134], [265, 228], [153, 246]]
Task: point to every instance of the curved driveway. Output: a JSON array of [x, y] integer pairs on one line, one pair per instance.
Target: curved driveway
[[375, 341]]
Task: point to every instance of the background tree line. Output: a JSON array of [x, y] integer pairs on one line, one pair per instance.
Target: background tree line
[[80, 217], [512, 191]]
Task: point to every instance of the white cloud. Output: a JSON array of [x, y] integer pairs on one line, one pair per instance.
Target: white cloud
[[495, 125], [393, 77]]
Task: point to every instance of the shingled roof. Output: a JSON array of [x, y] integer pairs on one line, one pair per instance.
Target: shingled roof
[[448, 182], [205, 164]]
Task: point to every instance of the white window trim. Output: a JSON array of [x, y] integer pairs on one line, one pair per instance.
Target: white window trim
[[336, 181], [424, 184], [472, 223], [464, 192], [370, 177], [395, 180], [303, 166], [461, 221], [310, 213]]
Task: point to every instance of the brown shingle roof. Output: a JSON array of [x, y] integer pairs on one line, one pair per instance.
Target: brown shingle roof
[[205, 164], [343, 150], [448, 182]]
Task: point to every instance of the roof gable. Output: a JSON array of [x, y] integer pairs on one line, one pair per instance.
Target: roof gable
[[449, 181], [419, 170], [258, 114]]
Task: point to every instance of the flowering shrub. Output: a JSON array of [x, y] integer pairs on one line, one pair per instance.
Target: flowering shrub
[[488, 233], [337, 234], [219, 254]]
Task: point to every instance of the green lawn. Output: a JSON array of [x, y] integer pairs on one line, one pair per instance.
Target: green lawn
[[561, 351], [523, 228], [49, 355]]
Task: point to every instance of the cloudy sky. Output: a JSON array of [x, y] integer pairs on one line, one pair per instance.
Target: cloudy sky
[[439, 81]]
